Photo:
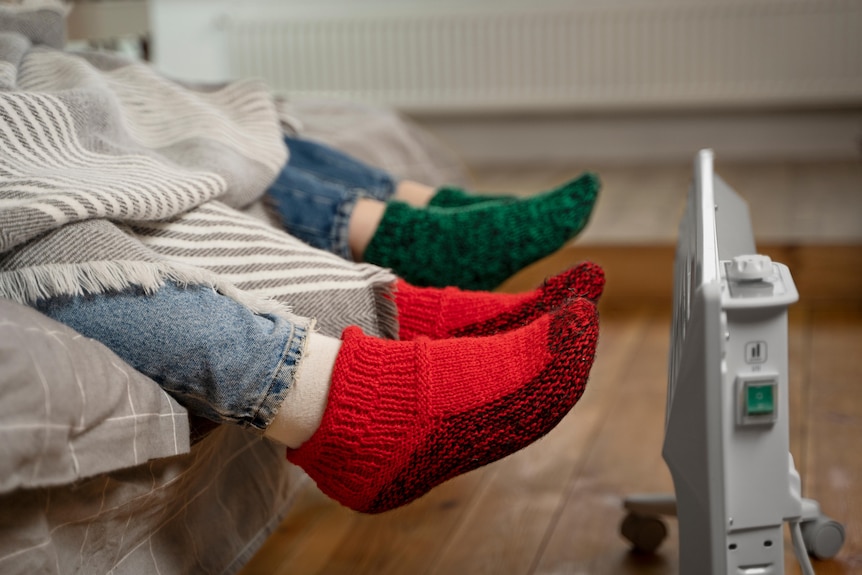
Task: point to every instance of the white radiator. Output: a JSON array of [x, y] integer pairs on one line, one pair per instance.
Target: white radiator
[[433, 57]]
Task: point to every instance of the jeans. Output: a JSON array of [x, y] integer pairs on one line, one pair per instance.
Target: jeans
[[315, 193], [214, 356]]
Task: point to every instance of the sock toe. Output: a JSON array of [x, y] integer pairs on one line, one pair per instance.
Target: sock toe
[[478, 247], [586, 280]]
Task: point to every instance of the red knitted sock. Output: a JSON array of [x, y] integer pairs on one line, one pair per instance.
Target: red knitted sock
[[405, 416], [451, 312]]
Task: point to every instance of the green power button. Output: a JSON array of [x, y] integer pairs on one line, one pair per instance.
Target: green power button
[[760, 399]]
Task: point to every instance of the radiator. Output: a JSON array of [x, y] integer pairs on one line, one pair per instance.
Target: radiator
[[496, 56]]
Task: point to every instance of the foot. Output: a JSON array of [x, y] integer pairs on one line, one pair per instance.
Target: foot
[[403, 417], [450, 312], [478, 247]]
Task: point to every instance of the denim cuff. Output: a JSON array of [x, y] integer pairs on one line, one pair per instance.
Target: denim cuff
[[282, 376], [340, 240]]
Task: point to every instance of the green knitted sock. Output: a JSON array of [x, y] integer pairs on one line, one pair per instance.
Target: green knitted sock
[[451, 197], [478, 247]]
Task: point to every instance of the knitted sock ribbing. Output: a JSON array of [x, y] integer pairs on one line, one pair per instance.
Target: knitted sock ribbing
[[450, 312], [403, 417], [478, 247]]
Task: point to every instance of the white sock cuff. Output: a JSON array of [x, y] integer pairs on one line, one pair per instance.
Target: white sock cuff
[[300, 414]]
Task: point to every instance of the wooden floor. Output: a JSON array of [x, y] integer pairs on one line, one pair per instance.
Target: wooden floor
[[555, 507]]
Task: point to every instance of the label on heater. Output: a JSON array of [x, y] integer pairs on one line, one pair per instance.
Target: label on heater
[[755, 352]]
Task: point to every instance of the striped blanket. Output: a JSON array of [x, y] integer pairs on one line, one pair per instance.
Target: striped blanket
[[112, 175]]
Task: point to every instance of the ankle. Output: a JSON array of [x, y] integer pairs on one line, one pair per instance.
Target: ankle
[[444, 312], [363, 224], [302, 410], [413, 193]]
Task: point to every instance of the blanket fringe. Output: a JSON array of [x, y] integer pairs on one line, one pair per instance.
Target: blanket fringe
[[31, 284], [384, 299]]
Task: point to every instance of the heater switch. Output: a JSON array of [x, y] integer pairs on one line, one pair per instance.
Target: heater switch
[[758, 400]]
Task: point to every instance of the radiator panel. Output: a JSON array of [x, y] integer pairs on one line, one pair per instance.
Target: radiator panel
[[592, 56]]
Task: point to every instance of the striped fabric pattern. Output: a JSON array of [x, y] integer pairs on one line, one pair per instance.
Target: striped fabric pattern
[[49, 179], [268, 263], [112, 176], [158, 113]]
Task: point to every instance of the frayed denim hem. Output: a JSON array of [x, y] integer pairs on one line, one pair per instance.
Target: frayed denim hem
[[282, 378]]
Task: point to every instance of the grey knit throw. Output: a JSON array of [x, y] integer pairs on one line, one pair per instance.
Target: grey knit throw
[[112, 175]]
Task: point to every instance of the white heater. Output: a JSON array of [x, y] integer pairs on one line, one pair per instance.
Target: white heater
[[727, 430]]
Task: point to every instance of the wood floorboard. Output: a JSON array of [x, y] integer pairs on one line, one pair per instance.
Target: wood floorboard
[[405, 540], [519, 505], [624, 459], [832, 473], [800, 327], [321, 536], [798, 364]]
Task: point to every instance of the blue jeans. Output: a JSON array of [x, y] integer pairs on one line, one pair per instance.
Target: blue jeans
[[315, 193], [214, 356]]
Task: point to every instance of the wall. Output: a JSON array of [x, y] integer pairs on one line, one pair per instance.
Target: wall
[[618, 79]]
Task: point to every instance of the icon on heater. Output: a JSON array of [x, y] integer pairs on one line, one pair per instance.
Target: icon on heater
[[755, 352]]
